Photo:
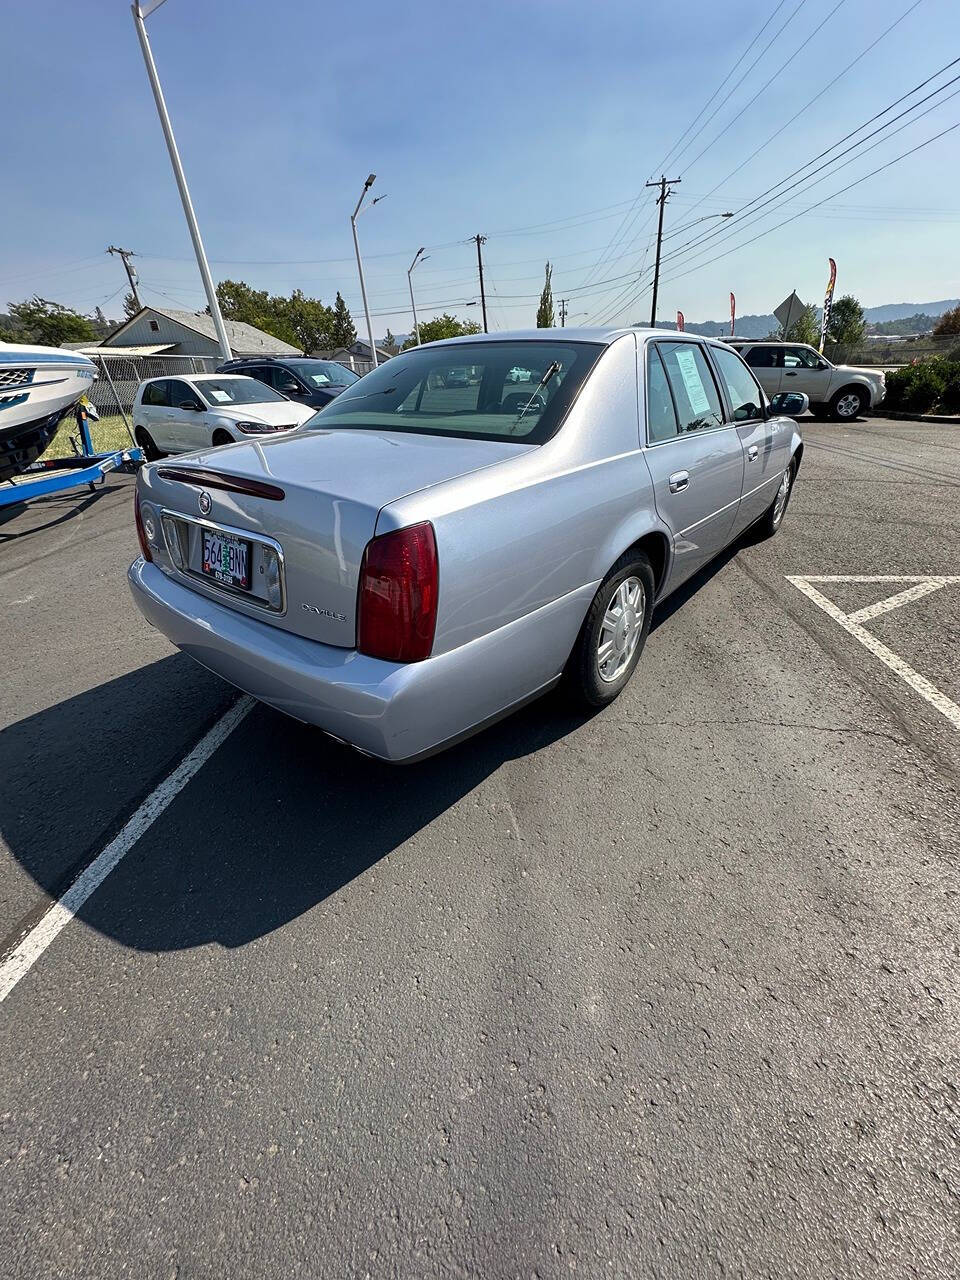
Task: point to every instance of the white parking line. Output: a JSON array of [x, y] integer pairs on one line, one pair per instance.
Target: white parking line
[[32, 946], [852, 623]]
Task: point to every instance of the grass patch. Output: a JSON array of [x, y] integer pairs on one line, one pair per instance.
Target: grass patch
[[108, 435]]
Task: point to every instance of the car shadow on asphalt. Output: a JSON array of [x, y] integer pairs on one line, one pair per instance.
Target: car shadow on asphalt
[[59, 508], [279, 819]]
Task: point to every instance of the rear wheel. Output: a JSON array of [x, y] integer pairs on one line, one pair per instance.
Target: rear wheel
[[613, 633], [145, 440], [848, 404]]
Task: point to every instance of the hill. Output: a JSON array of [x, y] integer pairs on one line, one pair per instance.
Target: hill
[[763, 326]]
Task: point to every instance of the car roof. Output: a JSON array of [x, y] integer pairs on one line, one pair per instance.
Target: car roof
[[603, 337]]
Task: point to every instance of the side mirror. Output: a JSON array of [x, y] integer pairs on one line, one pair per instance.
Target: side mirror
[[290, 388], [790, 403], [192, 405]]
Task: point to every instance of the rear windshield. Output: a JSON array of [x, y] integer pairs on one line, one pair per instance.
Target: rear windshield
[[323, 373], [235, 391], [485, 390]]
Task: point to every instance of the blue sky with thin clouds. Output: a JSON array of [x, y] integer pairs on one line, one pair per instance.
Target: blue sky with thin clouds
[[535, 123]]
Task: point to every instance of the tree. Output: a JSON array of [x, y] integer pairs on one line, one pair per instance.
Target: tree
[[847, 325], [302, 321], [545, 318], [101, 325], [50, 323], [130, 308], [445, 326], [344, 333], [307, 319], [806, 328], [390, 344], [946, 327]]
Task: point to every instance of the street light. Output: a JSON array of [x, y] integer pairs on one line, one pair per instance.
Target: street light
[[140, 12], [706, 218], [356, 244], [417, 257]]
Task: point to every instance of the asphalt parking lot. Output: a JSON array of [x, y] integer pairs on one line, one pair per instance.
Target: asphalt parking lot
[[667, 992]]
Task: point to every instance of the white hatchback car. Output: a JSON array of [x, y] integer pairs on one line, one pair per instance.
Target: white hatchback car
[[194, 411]]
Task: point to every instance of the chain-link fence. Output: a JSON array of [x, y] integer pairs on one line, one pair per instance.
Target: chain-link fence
[[118, 376], [893, 352]]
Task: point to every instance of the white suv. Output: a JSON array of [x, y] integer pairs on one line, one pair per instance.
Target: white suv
[[840, 391], [194, 411]]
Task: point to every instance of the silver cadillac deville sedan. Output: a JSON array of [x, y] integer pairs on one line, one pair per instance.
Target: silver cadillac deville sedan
[[464, 527]]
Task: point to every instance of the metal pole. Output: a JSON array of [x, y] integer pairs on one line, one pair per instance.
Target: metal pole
[[178, 173], [363, 287], [664, 184], [413, 305], [483, 297]]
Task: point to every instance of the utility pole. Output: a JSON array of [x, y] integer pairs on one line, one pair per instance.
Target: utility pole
[[125, 255], [562, 304], [483, 297], [141, 10], [664, 184]]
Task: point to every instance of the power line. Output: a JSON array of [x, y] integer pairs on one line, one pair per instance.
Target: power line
[[816, 97], [632, 213], [670, 154], [856, 182], [746, 107], [805, 183]]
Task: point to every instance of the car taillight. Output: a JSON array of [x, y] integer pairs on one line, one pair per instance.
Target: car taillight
[[397, 603], [141, 532]]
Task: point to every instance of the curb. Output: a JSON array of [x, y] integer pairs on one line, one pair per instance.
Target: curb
[[944, 418]]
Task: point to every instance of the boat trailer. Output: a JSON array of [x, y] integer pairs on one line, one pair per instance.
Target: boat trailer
[[55, 475]]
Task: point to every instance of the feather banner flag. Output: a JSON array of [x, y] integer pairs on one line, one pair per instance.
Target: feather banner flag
[[827, 303]]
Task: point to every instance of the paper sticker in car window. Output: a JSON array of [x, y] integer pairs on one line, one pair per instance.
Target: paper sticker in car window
[[692, 381], [218, 395]]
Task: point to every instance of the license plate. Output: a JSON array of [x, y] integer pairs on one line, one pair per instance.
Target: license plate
[[226, 559]]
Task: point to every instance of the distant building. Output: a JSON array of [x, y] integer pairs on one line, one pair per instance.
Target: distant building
[[156, 330], [356, 356]]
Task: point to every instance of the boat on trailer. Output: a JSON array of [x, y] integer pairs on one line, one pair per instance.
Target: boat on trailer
[[38, 387]]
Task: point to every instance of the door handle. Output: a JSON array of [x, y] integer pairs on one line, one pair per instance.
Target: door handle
[[790, 375], [679, 480], [752, 452]]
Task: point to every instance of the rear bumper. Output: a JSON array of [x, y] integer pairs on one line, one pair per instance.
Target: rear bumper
[[394, 711]]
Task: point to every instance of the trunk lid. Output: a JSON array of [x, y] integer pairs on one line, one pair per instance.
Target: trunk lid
[[333, 485]]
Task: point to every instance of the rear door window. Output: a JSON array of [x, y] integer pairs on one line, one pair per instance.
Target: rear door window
[[661, 413], [694, 390], [762, 357]]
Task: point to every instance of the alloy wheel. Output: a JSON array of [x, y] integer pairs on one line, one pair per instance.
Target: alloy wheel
[[620, 629]]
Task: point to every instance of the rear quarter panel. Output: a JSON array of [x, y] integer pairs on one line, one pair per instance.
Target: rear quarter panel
[[525, 533]]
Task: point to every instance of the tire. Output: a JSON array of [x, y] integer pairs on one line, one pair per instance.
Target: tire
[[222, 437], [629, 584], [848, 404], [145, 440], [771, 521]]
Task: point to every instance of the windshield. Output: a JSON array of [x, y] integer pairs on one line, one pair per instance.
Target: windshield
[[323, 373], [485, 390], [221, 391]]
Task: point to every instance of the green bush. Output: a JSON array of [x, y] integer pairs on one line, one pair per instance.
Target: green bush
[[950, 396], [919, 388]]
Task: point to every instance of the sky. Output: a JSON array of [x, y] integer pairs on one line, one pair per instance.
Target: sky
[[535, 123]]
